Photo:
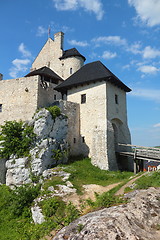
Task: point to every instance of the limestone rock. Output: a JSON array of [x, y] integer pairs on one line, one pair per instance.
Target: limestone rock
[[43, 123], [49, 150], [37, 215], [17, 172], [133, 221]]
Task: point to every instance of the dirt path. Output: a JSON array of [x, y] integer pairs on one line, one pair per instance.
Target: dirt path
[[121, 190], [89, 192]]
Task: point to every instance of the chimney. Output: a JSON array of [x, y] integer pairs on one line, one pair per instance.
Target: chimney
[[1, 76], [58, 38]]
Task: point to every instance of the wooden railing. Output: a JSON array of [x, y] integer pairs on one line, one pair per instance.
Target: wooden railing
[[139, 153]]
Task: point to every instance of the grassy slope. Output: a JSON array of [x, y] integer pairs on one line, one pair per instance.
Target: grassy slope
[[83, 172], [15, 216]]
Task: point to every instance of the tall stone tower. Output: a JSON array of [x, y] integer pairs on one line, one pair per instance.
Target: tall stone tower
[[53, 56]]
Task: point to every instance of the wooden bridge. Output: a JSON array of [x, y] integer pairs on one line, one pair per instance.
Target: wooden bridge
[[139, 155]]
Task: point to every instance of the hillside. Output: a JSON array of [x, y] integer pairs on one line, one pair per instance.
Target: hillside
[[48, 203]]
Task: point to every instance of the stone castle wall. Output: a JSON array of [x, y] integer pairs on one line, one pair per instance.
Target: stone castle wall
[[21, 97], [117, 127], [18, 98], [92, 121], [72, 111], [103, 122], [71, 65]]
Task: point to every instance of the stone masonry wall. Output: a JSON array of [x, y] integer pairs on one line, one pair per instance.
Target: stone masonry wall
[[47, 95], [72, 62], [72, 111], [117, 126], [50, 54], [18, 98], [92, 121], [21, 97]]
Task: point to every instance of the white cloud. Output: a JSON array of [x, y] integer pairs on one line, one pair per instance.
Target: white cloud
[[149, 52], [78, 43], [41, 31], [150, 94], [109, 55], [134, 48], [22, 49], [19, 65], [127, 66], [147, 10], [157, 125], [94, 6], [63, 5], [112, 40], [147, 69]]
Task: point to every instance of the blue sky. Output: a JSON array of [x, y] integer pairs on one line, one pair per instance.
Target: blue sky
[[123, 34]]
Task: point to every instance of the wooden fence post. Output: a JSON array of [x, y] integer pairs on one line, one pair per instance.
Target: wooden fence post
[[135, 163]]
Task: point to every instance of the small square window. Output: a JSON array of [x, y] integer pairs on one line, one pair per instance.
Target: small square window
[[83, 98], [116, 98], [0, 107]]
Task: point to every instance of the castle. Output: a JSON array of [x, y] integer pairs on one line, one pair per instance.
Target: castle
[[94, 100]]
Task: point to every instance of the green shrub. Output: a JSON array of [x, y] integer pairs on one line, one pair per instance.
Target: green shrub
[[53, 206], [57, 211], [17, 139], [22, 198], [55, 111]]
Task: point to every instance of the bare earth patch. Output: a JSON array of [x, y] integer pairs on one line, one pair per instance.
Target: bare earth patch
[[89, 192]]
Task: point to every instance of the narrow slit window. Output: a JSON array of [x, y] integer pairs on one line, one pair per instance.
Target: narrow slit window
[[83, 98], [55, 97], [116, 98], [0, 107], [74, 140], [83, 139], [71, 70]]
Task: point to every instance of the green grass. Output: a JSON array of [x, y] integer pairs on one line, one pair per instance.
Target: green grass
[[52, 182], [83, 172], [15, 215], [151, 179]]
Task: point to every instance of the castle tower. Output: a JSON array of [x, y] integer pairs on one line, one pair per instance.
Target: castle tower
[[52, 55]]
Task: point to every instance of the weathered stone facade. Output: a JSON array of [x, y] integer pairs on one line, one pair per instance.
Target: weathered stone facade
[[103, 126], [21, 97], [51, 54]]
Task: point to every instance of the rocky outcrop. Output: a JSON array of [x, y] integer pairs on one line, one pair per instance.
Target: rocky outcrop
[[17, 172], [37, 215], [136, 220], [60, 191], [50, 149]]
